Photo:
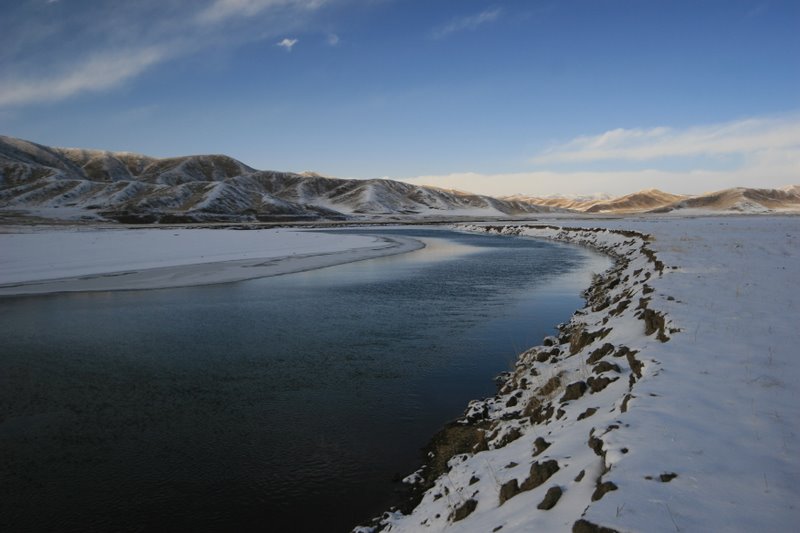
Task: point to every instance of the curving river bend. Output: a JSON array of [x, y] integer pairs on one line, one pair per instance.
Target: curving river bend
[[284, 403]]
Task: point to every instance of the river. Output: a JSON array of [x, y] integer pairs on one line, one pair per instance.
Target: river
[[288, 403]]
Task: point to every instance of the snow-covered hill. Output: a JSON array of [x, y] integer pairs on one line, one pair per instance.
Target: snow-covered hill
[[738, 200], [61, 182]]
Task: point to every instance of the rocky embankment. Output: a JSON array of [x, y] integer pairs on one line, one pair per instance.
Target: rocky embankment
[[546, 449]]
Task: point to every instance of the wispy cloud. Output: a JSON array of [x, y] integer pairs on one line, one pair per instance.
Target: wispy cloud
[[333, 39], [767, 150], [470, 22], [287, 44], [94, 74], [223, 9], [741, 137], [46, 57]]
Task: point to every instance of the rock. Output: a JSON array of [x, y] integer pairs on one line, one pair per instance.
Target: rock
[[540, 472], [635, 364], [587, 413], [605, 366], [464, 510], [599, 353], [510, 436], [541, 414], [654, 322], [598, 384], [602, 489], [540, 445], [625, 400], [551, 498], [584, 526], [508, 490], [596, 445], [551, 386], [580, 339], [666, 478], [573, 391]]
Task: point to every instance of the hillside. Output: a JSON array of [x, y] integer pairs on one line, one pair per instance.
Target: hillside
[[574, 203], [68, 182], [741, 200], [654, 201]]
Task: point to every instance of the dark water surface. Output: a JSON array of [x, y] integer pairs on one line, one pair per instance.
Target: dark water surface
[[255, 405]]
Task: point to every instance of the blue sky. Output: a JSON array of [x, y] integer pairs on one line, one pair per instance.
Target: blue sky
[[532, 97]]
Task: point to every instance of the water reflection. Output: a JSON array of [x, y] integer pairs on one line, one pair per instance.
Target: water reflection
[[287, 402]]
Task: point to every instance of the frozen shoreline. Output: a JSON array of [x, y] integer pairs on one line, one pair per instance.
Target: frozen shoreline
[[668, 403], [44, 262]]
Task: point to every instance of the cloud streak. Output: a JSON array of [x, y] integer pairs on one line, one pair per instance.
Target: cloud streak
[[467, 23], [768, 150], [220, 10], [93, 74], [47, 58], [743, 137]]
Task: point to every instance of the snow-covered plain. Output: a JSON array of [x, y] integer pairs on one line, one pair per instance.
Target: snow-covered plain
[[670, 403], [42, 260]]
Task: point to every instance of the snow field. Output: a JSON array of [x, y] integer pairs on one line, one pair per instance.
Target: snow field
[[669, 403], [41, 255]]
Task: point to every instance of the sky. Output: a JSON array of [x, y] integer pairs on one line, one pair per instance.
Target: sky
[[570, 97]]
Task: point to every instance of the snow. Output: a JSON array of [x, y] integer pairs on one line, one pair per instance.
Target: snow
[[78, 259], [717, 402]]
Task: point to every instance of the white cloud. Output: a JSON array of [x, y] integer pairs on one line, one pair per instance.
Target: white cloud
[[94, 74], [546, 183], [742, 137], [48, 58], [223, 9], [466, 23], [333, 39], [287, 44], [768, 151]]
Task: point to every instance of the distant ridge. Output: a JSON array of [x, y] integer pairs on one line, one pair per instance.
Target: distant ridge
[[136, 188], [576, 203], [637, 202], [654, 201], [741, 200], [71, 183]]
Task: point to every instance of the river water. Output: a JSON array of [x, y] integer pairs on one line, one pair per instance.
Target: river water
[[282, 404]]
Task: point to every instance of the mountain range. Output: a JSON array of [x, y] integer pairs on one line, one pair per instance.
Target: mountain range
[[135, 188], [92, 184]]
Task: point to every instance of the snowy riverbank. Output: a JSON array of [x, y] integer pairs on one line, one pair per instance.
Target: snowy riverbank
[[44, 260], [669, 403]]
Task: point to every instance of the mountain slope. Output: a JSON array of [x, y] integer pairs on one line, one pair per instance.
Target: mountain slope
[[575, 203], [636, 202], [740, 200], [131, 187], [737, 200]]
